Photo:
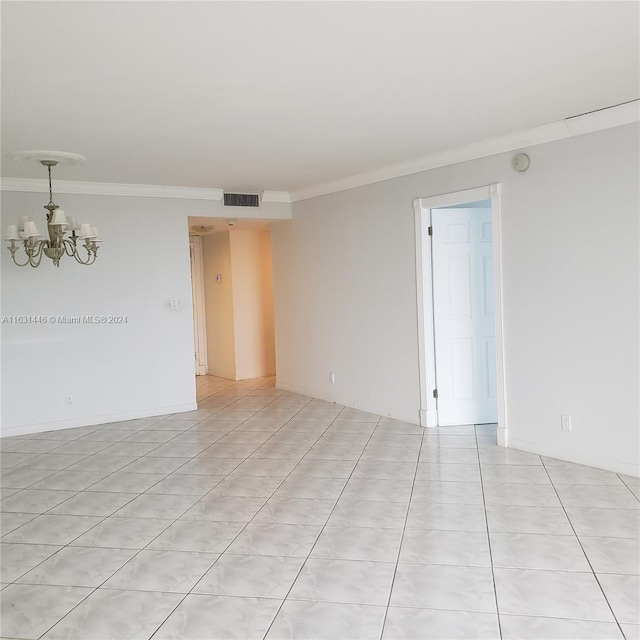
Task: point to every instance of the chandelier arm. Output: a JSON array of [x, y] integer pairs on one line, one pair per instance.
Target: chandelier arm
[[76, 255], [87, 261], [91, 257], [35, 257], [20, 264], [69, 247], [36, 263], [40, 252]]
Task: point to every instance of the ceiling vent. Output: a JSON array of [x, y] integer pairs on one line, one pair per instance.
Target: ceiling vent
[[241, 200]]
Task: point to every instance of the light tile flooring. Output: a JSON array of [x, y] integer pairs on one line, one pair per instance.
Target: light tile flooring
[[271, 515]]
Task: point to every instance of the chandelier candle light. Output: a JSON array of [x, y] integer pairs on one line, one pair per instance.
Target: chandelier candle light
[[26, 232]]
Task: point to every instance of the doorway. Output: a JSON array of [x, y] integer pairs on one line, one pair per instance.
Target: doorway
[[460, 309], [232, 298]]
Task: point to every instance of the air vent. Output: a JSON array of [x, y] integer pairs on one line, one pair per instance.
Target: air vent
[[241, 200]]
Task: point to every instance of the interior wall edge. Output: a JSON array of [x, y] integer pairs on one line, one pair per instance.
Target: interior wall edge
[[95, 420], [569, 454], [222, 374], [405, 417]]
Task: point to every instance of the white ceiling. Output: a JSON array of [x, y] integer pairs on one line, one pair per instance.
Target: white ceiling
[[205, 226], [289, 95]]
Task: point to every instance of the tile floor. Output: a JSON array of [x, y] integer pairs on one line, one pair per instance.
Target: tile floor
[[271, 515]]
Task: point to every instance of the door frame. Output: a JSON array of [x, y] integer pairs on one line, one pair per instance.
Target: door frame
[[197, 288], [424, 274]]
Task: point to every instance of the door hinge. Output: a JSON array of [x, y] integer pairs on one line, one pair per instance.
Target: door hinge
[[430, 231], [435, 394]]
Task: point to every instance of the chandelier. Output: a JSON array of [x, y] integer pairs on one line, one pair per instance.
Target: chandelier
[[66, 235]]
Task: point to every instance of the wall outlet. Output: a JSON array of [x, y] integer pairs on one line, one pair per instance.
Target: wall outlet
[[68, 400], [565, 422], [332, 377]]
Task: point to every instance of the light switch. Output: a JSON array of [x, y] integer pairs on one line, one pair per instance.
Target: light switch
[[175, 304]]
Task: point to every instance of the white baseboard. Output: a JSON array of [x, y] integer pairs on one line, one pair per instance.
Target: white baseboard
[[380, 411], [249, 375], [23, 430], [221, 374], [578, 457]]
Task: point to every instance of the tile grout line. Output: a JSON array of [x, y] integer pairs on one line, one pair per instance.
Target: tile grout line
[[241, 529], [404, 529], [116, 571], [486, 519], [111, 474], [98, 523], [582, 548], [627, 485], [121, 469], [323, 527], [94, 589], [218, 440], [190, 592]]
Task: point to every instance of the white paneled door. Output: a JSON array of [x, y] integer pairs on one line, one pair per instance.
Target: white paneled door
[[463, 316]]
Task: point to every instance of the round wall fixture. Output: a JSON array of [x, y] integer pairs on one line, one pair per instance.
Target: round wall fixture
[[58, 157], [521, 162]]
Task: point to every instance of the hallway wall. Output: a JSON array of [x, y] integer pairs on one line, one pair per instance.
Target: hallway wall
[[239, 308]]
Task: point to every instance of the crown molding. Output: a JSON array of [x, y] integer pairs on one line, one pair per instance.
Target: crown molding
[[110, 189], [276, 196], [576, 125], [608, 118]]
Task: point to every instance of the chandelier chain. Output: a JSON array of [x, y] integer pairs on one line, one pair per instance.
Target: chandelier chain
[[50, 190]]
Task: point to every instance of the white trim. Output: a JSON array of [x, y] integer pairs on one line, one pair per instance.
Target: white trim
[[221, 374], [452, 199], [428, 415], [577, 125], [102, 419], [424, 295], [256, 373], [197, 275], [110, 189], [292, 388], [573, 126], [604, 118], [496, 225], [571, 455], [276, 196]]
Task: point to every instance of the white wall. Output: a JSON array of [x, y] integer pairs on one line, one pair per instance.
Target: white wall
[[216, 259], [253, 303], [113, 372], [239, 309], [345, 294]]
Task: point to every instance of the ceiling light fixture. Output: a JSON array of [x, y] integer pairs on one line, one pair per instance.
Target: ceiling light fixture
[[58, 224]]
